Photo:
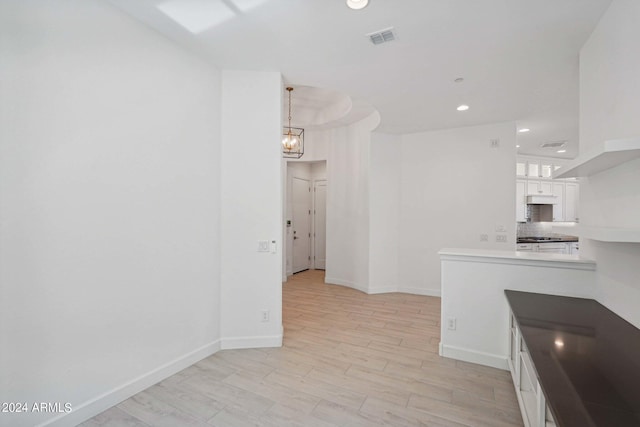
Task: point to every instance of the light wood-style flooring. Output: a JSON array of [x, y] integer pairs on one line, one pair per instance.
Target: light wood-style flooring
[[348, 359]]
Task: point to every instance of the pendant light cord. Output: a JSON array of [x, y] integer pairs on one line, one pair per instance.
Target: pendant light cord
[[289, 89]]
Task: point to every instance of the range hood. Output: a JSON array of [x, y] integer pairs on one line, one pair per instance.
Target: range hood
[[542, 199]]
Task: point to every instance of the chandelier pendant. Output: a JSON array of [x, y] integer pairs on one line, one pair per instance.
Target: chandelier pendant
[[293, 138]]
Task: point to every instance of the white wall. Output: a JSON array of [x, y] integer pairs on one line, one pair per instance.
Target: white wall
[[454, 187], [319, 171], [316, 143], [395, 200], [348, 204], [609, 109], [384, 212], [109, 207], [251, 208]]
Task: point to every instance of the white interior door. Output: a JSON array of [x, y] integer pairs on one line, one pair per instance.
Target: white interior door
[[320, 224], [301, 195]]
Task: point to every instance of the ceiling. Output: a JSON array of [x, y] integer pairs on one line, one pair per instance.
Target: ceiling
[[518, 58]]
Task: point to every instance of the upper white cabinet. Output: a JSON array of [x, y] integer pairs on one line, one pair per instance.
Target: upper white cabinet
[[534, 177], [535, 187], [530, 167], [521, 202], [546, 170], [571, 197], [558, 190]]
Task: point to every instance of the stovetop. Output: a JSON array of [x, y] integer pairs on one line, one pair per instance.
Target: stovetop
[[542, 239]]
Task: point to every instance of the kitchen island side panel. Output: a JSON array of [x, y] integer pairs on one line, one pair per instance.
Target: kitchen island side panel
[[473, 284]]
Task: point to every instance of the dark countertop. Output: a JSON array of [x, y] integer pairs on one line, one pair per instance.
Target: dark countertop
[[535, 239], [586, 357]]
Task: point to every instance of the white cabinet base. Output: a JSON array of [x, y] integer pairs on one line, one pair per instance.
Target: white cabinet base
[[533, 405]]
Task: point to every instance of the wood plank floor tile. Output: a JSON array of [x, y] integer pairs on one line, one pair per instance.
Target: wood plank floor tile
[[334, 393], [397, 415], [295, 401], [155, 412], [194, 404], [382, 391], [348, 359], [114, 417]]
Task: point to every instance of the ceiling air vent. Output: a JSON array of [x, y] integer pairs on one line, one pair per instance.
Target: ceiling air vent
[[382, 36], [553, 144]]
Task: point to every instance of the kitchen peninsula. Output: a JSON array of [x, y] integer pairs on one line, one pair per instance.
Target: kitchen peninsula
[[475, 313]]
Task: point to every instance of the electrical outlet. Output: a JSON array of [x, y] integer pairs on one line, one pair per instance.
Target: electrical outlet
[[501, 238], [501, 228], [451, 323], [264, 315], [263, 246], [484, 237], [495, 143]]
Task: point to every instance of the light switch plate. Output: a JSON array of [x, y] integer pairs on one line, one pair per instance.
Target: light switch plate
[[263, 246]]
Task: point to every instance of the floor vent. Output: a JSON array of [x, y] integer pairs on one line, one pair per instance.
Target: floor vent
[[382, 36]]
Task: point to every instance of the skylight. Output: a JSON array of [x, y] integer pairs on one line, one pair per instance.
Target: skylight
[[197, 15]]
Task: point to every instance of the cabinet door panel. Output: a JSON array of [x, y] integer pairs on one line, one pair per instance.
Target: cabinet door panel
[[558, 208], [546, 187], [521, 203], [571, 201], [534, 188], [554, 248]]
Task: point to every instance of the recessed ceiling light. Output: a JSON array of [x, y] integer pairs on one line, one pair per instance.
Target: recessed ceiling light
[[517, 146], [524, 130], [562, 151], [462, 107], [357, 4]]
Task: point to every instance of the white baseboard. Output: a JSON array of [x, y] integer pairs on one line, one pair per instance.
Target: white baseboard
[[421, 291], [473, 356], [98, 404], [347, 283], [251, 342], [382, 290]]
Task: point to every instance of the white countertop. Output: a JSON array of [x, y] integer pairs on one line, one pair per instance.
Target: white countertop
[[516, 257]]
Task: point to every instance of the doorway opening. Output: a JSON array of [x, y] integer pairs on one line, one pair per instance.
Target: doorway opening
[[305, 221]]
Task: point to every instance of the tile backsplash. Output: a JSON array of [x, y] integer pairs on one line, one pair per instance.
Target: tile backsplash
[[529, 229]]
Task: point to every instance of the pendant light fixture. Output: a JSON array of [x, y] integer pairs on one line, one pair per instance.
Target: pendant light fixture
[[293, 141]]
